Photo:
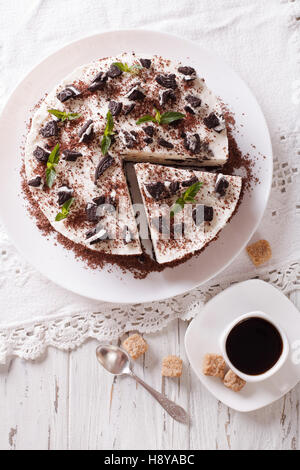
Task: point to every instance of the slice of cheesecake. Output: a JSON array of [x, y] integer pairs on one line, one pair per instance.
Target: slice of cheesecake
[[195, 224], [198, 139]]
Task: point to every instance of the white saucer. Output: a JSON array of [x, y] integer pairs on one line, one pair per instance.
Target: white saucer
[[204, 332], [110, 284]]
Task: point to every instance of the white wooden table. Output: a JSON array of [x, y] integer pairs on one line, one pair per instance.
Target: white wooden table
[[66, 401]]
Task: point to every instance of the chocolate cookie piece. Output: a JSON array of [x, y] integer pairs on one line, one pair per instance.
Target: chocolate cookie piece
[[202, 214], [96, 235], [129, 138], [127, 108], [189, 182], [136, 93], [221, 185], [165, 96], [149, 130], [148, 140], [177, 230], [86, 133], [189, 110], [192, 142], [114, 71], [99, 82], [188, 72], [64, 193], [156, 190], [211, 121], [167, 80], [127, 235], [214, 122], [92, 212], [35, 182], [99, 200], [103, 165], [95, 210], [115, 107], [41, 154], [176, 123], [174, 187], [208, 213], [49, 130], [146, 63], [69, 92], [193, 101], [164, 143], [71, 155], [161, 224]]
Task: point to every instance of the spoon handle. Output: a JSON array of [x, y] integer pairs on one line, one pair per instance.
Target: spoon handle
[[176, 411]]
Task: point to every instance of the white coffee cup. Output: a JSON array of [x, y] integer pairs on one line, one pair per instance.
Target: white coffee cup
[[281, 360]]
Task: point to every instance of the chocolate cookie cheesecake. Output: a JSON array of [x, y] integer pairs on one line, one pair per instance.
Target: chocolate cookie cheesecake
[[122, 109]]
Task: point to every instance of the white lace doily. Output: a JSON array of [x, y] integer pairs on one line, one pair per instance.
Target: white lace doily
[[261, 41], [30, 339]]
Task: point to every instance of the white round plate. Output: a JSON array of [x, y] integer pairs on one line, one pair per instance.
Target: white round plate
[[204, 332], [111, 285]]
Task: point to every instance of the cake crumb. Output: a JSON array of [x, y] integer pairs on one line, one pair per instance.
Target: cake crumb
[[171, 366], [214, 365], [135, 345], [233, 381], [259, 252]]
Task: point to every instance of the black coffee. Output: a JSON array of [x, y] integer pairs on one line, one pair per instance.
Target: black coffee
[[254, 346]]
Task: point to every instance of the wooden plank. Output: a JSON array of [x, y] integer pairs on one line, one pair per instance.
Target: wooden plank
[[107, 413], [34, 403], [175, 435], [89, 400]]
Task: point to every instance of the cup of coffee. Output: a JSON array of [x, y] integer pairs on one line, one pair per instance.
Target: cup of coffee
[[254, 347]]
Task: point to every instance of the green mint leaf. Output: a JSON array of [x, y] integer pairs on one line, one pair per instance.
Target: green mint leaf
[[66, 206], [191, 192], [166, 118], [53, 160], [65, 210], [187, 196], [50, 176], [134, 69], [171, 116], [108, 132], [177, 207], [109, 124], [105, 144], [120, 66], [63, 116], [157, 116], [54, 155], [59, 114], [146, 118], [72, 116], [60, 216]]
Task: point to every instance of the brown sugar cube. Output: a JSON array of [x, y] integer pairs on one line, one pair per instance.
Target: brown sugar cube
[[171, 366], [259, 252], [233, 381], [135, 345], [214, 365]]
